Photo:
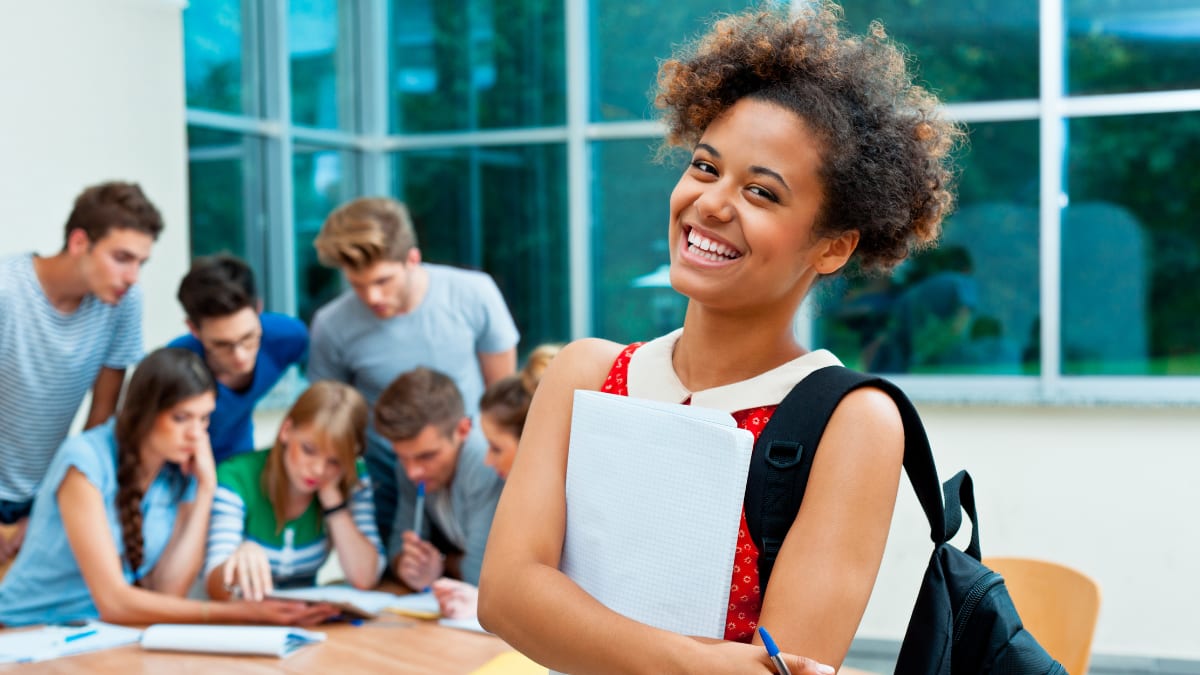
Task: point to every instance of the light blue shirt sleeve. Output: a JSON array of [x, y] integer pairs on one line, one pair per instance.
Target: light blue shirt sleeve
[[126, 347], [498, 332], [324, 358]]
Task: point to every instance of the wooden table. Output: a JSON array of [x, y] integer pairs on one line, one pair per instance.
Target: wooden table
[[388, 645]]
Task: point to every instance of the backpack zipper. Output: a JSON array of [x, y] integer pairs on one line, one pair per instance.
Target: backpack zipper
[[978, 590]]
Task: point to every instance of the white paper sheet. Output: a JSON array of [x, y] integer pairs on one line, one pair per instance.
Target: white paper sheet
[[654, 499], [276, 641], [366, 604], [27, 646]]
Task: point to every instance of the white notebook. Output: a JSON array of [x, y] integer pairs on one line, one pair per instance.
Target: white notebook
[[50, 642], [278, 641], [654, 499], [352, 601]]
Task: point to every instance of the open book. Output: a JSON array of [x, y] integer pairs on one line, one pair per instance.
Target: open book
[[654, 499], [351, 601], [278, 641]]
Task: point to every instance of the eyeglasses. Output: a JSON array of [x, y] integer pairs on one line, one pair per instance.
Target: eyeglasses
[[248, 342]]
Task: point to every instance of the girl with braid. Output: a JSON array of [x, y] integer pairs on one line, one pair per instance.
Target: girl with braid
[[807, 148], [133, 498]]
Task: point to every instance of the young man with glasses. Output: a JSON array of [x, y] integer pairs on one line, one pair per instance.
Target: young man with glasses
[[247, 350]]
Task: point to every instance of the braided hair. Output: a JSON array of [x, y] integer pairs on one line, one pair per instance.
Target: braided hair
[[162, 380]]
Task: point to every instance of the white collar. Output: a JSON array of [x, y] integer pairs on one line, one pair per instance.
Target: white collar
[[652, 376]]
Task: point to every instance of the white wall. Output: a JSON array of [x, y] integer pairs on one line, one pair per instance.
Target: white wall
[[93, 91], [1107, 490]]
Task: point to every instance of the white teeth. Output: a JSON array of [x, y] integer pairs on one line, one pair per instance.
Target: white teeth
[[707, 248]]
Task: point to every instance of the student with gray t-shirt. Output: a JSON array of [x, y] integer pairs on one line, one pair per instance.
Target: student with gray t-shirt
[[402, 313], [69, 322]]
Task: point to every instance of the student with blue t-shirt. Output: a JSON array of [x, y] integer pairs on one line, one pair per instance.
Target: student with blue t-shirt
[[246, 349], [399, 314], [69, 322], [133, 498]]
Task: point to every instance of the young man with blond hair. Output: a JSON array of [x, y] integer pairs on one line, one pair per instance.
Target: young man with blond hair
[[421, 414], [399, 314], [69, 322]]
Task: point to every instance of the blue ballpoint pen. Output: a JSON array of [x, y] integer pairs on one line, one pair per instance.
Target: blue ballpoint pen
[[81, 634], [773, 652], [420, 508]]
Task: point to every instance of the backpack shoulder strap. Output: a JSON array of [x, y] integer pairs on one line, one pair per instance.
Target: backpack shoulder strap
[[784, 452]]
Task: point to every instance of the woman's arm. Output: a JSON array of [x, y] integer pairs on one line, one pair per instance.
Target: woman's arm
[[360, 555], [523, 597], [85, 521], [180, 562], [827, 565]]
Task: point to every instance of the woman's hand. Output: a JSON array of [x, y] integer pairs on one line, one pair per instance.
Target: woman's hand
[[456, 599], [202, 465], [738, 657], [420, 563], [248, 568], [287, 612], [330, 494]]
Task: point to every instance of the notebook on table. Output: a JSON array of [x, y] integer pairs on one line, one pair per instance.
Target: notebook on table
[[49, 642], [351, 601], [277, 641]]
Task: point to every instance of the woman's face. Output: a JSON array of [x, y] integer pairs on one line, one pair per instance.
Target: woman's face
[[502, 445], [742, 214], [309, 463], [179, 432]]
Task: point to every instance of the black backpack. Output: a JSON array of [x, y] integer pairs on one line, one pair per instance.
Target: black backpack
[[963, 621]]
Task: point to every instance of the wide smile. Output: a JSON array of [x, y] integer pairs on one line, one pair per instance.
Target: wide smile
[[707, 248]]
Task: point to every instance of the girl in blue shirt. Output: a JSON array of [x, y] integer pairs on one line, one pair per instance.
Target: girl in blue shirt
[[133, 498]]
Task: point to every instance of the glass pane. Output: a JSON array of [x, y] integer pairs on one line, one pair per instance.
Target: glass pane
[[1131, 246], [628, 39], [476, 64], [322, 182], [971, 305], [965, 51], [316, 63], [503, 210], [212, 35], [632, 298], [218, 165], [1132, 45]]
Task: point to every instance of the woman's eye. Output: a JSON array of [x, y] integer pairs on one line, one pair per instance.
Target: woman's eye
[[308, 449], [179, 418], [764, 193], [702, 165]]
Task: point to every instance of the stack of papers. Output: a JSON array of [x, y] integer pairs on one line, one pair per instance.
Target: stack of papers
[[278, 641], [54, 641], [352, 602]]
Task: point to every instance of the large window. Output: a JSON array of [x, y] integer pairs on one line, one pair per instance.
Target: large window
[[521, 133]]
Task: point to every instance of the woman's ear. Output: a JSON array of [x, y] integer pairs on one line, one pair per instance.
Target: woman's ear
[[284, 430], [833, 252]]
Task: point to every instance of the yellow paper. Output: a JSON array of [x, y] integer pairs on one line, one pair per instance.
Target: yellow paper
[[510, 663], [413, 613]]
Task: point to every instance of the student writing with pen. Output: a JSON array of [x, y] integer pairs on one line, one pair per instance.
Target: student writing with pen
[[133, 497], [279, 513], [807, 148], [422, 414]]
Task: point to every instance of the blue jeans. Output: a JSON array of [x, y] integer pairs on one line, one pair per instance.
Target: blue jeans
[[11, 512]]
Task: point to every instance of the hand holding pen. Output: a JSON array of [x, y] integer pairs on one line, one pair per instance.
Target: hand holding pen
[[800, 665]]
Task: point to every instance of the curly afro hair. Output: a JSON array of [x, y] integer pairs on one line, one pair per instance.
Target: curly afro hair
[[886, 152]]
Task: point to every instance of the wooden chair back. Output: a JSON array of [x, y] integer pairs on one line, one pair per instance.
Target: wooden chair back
[[1059, 605]]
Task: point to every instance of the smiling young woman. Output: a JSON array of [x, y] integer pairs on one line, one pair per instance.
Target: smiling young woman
[[810, 148]]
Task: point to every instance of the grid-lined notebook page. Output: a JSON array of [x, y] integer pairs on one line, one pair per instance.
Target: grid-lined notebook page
[[654, 499]]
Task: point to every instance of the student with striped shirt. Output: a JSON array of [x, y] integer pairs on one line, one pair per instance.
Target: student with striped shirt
[[69, 322], [279, 512]]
